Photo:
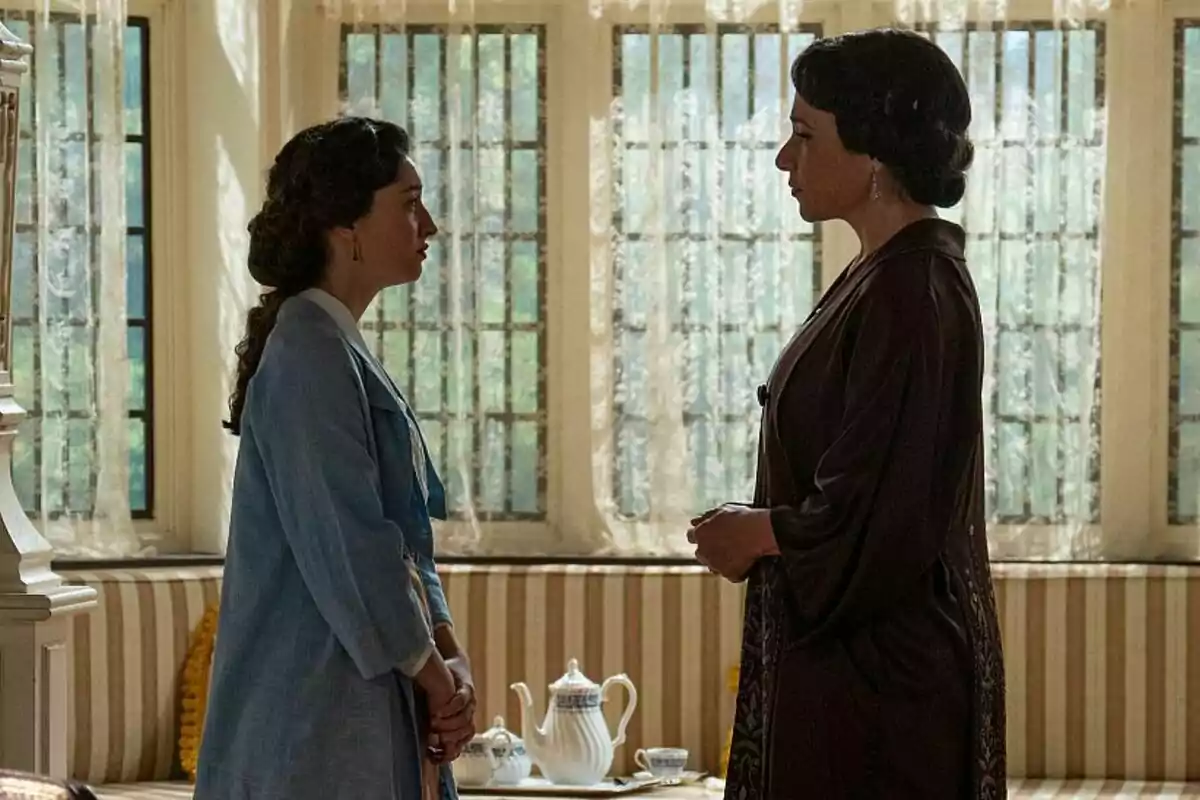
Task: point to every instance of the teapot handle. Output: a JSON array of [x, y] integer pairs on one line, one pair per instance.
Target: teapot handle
[[630, 706]]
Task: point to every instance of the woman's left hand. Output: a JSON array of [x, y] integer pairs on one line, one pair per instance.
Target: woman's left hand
[[454, 725], [460, 668], [731, 538]]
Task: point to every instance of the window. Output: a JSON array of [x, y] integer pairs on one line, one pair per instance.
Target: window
[[1184, 486], [55, 285], [1032, 214], [467, 343], [680, 267], [705, 108]]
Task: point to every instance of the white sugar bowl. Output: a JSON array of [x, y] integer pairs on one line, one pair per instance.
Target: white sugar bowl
[[514, 764], [477, 763], [494, 757]]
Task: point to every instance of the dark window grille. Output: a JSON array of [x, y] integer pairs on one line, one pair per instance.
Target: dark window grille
[[1183, 493], [1032, 217], [744, 268]]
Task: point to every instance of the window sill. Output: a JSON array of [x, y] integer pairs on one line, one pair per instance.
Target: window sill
[[213, 559], [175, 560]]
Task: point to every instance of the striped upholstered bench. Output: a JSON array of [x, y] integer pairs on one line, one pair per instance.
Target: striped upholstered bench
[[1104, 680], [1019, 790], [127, 656]]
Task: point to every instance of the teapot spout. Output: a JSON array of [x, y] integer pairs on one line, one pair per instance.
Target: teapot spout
[[533, 735]]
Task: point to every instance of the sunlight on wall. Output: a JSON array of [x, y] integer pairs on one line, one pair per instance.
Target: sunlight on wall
[[225, 132], [236, 293], [237, 27]]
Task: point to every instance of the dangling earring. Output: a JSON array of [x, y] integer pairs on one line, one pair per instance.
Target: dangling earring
[[875, 195], [357, 254]]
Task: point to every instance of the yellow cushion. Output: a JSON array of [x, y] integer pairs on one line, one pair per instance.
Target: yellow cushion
[[194, 690]]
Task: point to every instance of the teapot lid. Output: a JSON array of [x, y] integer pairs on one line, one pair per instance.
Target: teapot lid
[[574, 680]]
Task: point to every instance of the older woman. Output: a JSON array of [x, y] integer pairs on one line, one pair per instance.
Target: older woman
[[871, 663]]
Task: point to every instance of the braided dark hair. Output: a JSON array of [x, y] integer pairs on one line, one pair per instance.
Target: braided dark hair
[[899, 99], [325, 177]]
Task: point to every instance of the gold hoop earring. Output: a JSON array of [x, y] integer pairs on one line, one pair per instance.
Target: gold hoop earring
[[356, 255]]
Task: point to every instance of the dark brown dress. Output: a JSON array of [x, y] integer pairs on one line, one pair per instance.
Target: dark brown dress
[[871, 658]]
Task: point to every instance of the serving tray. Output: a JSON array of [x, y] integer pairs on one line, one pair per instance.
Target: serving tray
[[540, 787]]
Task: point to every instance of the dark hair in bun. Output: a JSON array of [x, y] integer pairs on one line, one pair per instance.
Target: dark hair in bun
[[899, 99], [325, 177]]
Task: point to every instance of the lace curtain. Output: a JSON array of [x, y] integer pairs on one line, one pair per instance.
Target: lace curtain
[[700, 268], [709, 269], [80, 461], [1032, 215]]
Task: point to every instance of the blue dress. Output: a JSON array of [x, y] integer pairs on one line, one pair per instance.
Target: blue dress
[[321, 625]]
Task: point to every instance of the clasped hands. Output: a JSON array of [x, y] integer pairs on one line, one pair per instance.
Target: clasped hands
[[729, 539], [452, 717]]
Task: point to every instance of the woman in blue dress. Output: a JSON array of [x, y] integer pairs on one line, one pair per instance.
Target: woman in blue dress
[[336, 672]]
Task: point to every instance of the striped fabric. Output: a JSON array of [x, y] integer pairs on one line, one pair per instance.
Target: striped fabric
[[150, 790], [1103, 679], [1032, 789], [127, 658], [1018, 790], [1103, 676]]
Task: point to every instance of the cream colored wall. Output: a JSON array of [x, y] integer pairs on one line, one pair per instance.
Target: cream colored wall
[[209, 129], [232, 78]]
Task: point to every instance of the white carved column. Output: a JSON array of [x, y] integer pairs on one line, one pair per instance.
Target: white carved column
[[35, 604]]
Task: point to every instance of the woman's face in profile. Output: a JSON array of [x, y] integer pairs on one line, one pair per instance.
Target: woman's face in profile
[[394, 234], [827, 180]]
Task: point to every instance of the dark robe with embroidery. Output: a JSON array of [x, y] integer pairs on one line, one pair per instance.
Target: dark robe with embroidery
[[871, 660]]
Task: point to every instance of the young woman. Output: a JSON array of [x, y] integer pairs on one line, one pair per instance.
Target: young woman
[[336, 672], [871, 662]]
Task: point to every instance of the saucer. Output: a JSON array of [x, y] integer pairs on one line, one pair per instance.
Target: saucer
[[687, 776]]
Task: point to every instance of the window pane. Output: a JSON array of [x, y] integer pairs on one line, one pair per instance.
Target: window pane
[[54, 330], [1031, 217], [1183, 492], [465, 344], [712, 258]]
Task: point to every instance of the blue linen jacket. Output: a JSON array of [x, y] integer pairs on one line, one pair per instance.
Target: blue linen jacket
[[320, 627]]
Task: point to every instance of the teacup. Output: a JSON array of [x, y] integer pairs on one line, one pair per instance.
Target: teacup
[[664, 763]]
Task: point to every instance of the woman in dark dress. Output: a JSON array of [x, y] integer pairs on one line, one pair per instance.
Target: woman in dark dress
[[871, 661]]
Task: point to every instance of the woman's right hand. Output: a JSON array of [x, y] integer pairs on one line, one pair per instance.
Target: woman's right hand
[[712, 511]]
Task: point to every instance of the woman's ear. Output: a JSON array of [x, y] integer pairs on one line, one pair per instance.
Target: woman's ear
[[343, 243]]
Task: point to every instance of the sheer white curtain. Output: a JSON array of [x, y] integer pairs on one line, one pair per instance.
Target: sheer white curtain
[[80, 467], [1032, 213], [707, 271]]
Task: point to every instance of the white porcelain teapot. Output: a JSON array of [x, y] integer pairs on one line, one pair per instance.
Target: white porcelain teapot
[[572, 746]]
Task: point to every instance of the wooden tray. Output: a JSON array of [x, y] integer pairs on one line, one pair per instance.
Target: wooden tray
[[540, 787]]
